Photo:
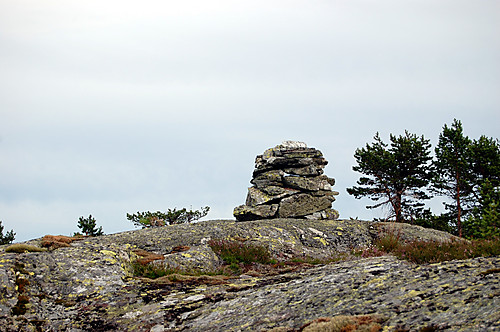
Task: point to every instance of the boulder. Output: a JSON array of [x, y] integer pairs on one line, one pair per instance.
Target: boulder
[[302, 205], [245, 212]]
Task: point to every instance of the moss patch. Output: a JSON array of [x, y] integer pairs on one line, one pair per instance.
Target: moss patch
[[23, 248]]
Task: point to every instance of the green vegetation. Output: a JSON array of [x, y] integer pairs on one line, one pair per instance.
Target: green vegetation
[[241, 257], [421, 252], [484, 219], [88, 226], [238, 257], [8, 237], [396, 174], [159, 219], [154, 271], [233, 252], [465, 171], [342, 323], [452, 176], [468, 172]]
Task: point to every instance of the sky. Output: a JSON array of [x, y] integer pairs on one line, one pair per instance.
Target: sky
[[111, 107]]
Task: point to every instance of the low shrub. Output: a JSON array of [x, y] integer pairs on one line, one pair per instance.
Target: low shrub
[[371, 251], [238, 252], [388, 242], [153, 271], [149, 219], [341, 323], [421, 252], [174, 274]]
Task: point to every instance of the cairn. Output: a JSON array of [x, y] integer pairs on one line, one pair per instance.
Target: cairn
[[288, 182]]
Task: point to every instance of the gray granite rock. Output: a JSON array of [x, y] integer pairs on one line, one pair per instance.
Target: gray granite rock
[[90, 286], [301, 205]]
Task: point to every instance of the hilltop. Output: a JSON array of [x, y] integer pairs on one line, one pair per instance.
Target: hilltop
[[91, 285]]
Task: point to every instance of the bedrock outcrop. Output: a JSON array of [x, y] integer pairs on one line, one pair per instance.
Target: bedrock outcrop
[[90, 285], [288, 182]]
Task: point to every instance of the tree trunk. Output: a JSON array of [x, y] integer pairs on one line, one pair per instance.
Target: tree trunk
[[397, 208], [459, 211], [457, 197]]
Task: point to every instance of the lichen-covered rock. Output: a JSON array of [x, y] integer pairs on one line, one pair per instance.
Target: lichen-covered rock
[[451, 296], [247, 212], [289, 182], [302, 205], [90, 286]]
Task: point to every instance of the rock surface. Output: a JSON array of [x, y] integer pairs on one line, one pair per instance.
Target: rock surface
[[89, 286], [289, 183]]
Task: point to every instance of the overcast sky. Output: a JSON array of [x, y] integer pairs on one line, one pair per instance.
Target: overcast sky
[[110, 107]]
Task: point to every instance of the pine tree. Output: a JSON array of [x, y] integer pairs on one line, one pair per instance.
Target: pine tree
[[8, 237], [485, 154], [484, 221], [453, 173], [397, 174], [149, 219], [88, 226]]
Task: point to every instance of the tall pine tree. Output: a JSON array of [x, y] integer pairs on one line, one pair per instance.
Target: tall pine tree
[[453, 169], [485, 154], [396, 174]]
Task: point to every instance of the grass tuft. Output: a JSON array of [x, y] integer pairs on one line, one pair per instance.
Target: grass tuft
[[342, 323], [421, 252], [233, 252]]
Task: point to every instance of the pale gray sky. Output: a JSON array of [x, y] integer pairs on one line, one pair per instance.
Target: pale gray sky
[[109, 107]]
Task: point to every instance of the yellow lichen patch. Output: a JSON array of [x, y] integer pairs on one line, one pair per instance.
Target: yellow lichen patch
[[239, 287], [109, 253], [320, 239], [414, 293], [376, 282]]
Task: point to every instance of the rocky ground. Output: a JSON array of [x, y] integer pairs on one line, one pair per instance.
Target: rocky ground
[[90, 286]]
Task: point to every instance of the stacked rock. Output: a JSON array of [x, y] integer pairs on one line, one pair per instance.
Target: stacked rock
[[288, 182]]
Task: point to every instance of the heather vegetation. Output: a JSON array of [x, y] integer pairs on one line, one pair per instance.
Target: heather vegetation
[[421, 252], [240, 252], [240, 256]]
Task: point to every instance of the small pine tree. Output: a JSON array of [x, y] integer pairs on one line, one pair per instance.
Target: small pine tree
[[8, 237], [171, 217], [484, 223], [88, 226], [453, 173]]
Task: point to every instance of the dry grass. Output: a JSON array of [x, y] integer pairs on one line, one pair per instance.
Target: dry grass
[[22, 248], [58, 241], [341, 323]]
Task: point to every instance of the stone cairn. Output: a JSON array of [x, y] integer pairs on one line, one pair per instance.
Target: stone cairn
[[288, 182]]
